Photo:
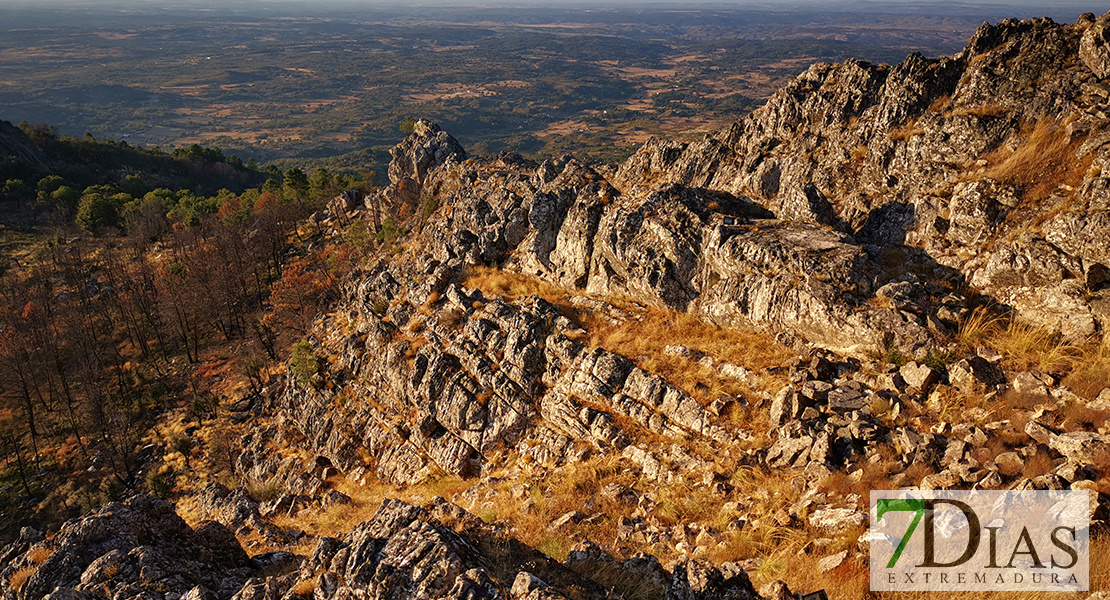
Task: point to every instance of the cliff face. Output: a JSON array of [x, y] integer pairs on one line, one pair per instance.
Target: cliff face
[[862, 214], [859, 210], [983, 169]]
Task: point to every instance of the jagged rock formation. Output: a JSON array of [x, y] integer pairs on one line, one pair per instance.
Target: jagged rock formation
[[136, 548], [777, 224], [984, 168], [140, 548], [851, 212], [16, 146]]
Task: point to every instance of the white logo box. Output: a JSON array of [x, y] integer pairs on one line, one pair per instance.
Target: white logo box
[[952, 540]]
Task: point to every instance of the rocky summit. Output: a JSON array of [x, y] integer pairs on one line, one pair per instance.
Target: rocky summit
[[911, 260]]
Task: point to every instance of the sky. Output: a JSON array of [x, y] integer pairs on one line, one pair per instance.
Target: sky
[[883, 6], [21, 13]]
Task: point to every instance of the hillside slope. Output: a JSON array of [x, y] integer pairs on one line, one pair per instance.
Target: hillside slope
[[683, 375]]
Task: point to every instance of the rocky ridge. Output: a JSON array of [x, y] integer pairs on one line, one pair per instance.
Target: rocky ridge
[[454, 377], [860, 217], [140, 548]]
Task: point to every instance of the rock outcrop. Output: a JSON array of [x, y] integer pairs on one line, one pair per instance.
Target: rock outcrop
[[983, 168], [140, 548], [858, 210]]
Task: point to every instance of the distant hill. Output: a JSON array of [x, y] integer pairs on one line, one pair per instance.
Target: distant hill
[[29, 155]]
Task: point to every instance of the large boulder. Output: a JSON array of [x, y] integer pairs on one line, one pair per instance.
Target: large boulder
[[1094, 47], [700, 580], [426, 148], [129, 549]]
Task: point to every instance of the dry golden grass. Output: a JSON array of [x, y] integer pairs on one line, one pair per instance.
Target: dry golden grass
[[1079, 417], [339, 519], [553, 493], [941, 104], [426, 308], [20, 577], [644, 335], [39, 555], [1044, 161], [979, 325], [304, 587], [557, 492], [1026, 346], [1091, 374], [981, 110], [859, 152], [906, 131], [513, 285]]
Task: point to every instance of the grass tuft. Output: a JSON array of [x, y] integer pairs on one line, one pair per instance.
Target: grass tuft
[[20, 577], [906, 131]]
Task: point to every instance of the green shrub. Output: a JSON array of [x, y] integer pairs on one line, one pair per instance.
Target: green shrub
[[303, 363], [160, 481]]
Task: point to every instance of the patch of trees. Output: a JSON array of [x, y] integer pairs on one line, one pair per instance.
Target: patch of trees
[[101, 333], [93, 180]]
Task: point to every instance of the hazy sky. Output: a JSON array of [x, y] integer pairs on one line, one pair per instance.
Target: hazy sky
[[19, 11], [891, 5]]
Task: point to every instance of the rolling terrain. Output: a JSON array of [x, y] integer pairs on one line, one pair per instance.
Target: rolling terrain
[[675, 377]]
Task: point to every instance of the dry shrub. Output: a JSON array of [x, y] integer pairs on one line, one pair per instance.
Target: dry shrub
[[837, 483], [918, 471], [986, 452], [1037, 465], [304, 587], [452, 318], [426, 308], [415, 344], [1079, 417]]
